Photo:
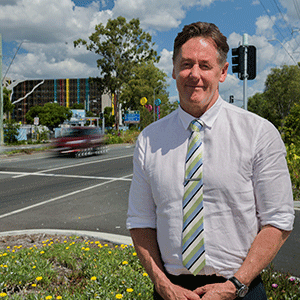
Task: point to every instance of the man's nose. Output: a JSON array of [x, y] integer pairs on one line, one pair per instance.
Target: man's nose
[[195, 72]]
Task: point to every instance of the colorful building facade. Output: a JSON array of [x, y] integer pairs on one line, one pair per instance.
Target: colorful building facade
[[65, 92]]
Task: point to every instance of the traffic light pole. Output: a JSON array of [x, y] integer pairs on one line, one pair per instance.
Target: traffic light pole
[[244, 63]]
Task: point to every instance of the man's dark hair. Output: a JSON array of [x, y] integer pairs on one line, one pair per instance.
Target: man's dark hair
[[205, 30]]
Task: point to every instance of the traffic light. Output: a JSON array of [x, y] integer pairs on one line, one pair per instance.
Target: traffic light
[[251, 62], [238, 56], [101, 115], [238, 61]]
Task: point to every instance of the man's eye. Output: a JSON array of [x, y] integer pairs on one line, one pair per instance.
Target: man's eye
[[186, 65], [205, 67]]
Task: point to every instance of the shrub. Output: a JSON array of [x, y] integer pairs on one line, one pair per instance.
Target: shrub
[[293, 161]]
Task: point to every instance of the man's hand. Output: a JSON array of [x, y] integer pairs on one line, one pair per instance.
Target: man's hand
[[217, 291], [176, 292]]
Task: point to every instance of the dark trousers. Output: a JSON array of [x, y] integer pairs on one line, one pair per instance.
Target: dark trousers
[[190, 282]]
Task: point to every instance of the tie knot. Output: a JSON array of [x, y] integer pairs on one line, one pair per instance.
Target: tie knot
[[195, 125]]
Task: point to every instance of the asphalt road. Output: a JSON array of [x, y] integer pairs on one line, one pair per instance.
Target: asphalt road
[[44, 192]]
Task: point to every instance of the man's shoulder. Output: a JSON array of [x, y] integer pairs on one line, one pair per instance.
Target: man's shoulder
[[238, 112], [247, 120]]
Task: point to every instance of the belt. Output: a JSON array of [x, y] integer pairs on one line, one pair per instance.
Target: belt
[[192, 282]]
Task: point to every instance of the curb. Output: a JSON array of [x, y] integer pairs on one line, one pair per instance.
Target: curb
[[113, 238]]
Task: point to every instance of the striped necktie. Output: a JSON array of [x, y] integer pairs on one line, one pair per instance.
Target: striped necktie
[[193, 252]]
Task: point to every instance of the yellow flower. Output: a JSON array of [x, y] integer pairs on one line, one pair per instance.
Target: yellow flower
[[59, 297], [119, 296], [39, 278], [145, 274], [49, 297], [33, 267], [125, 262], [42, 252], [129, 290], [94, 278], [134, 254], [3, 294], [33, 285]]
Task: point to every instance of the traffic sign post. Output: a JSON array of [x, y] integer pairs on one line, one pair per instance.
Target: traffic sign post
[[132, 117]]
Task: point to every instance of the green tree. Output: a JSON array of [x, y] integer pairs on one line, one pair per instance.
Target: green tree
[[109, 118], [260, 105], [50, 115], [282, 91], [146, 81], [8, 107], [291, 126], [121, 46], [11, 131], [77, 106]]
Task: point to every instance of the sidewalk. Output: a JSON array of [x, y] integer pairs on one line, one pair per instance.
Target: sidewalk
[[4, 149]]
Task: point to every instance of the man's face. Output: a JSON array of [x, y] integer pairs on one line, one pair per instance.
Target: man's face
[[198, 72]]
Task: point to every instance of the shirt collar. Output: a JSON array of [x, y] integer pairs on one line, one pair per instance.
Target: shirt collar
[[208, 118]]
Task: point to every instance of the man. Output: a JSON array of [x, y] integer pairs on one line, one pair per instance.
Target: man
[[247, 197]]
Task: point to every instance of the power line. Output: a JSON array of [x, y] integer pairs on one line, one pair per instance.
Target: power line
[[282, 16], [271, 18], [297, 8]]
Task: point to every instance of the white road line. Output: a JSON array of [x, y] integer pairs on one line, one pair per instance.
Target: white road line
[[66, 176], [60, 197], [76, 165]]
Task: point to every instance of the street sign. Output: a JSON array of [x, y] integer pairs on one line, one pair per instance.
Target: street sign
[[157, 102], [132, 117], [36, 121], [143, 101]]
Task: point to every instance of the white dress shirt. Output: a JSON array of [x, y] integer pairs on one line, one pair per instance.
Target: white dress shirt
[[246, 185]]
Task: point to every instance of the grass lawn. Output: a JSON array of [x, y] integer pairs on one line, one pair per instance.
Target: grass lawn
[[75, 268]]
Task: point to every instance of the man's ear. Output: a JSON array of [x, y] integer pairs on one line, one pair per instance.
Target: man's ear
[[224, 72], [173, 72]]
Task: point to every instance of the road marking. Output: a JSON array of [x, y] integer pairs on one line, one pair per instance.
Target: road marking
[[62, 196], [75, 165], [62, 175]]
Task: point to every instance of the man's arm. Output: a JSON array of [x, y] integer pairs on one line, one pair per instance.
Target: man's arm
[[263, 250], [145, 243]]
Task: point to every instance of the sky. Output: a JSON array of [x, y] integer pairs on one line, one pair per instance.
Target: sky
[[38, 35]]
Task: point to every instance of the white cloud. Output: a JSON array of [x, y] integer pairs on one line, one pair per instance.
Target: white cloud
[[166, 63], [293, 9], [264, 26], [49, 28], [158, 15]]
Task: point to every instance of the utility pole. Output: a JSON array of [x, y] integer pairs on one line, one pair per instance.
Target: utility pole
[[1, 96]]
